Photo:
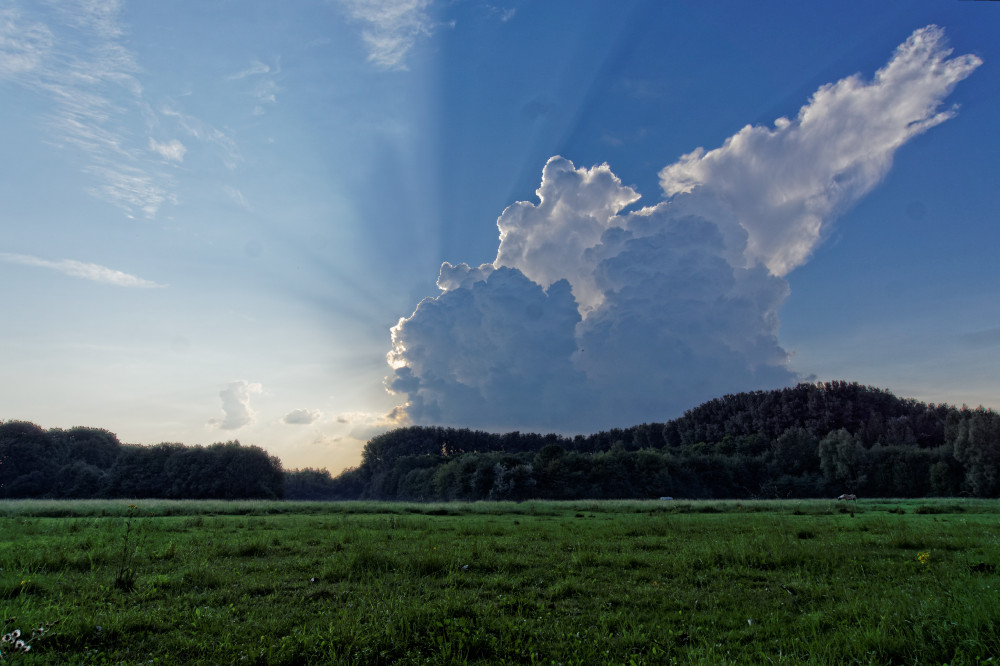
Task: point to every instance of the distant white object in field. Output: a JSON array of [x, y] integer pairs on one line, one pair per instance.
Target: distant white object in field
[[848, 498], [666, 498]]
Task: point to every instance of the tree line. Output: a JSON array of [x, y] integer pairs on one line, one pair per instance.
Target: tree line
[[811, 440], [91, 463]]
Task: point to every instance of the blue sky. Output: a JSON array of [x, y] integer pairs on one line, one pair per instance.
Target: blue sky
[[220, 218]]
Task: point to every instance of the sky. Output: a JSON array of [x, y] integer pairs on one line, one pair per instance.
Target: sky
[[301, 224]]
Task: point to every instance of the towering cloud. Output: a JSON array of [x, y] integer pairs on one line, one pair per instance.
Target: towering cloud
[[236, 405], [594, 316]]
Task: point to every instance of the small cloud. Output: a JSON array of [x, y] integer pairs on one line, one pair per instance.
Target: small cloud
[[612, 140], [237, 196], [173, 150], [236, 405], [365, 425], [255, 69], [129, 188], [94, 272], [224, 145], [393, 27], [502, 14], [302, 416], [263, 86]]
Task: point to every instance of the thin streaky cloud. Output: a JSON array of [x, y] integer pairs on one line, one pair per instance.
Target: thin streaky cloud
[[77, 58], [80, 269], [256, 68], [392, 28], [130, 188], [79, 62], [264, 88], [23, 45], [225, 146], [237, 196]]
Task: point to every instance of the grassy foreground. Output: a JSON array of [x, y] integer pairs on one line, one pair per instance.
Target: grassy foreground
[[900, 582]]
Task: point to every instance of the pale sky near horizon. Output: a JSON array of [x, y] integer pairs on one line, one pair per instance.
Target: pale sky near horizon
[[213, 213]]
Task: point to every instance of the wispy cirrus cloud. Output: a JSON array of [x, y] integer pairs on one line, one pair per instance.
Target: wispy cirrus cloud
[[23, 44], [264, 87], [392, 28], [256, 68], [223, 144], [80, 269], [73, 53]]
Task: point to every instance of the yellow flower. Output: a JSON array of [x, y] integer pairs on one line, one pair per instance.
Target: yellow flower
[[924, 558]]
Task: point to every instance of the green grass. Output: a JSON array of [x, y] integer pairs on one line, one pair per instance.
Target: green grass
[[538, 582]]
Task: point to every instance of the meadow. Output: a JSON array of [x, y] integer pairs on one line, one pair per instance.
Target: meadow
[[636, 582]]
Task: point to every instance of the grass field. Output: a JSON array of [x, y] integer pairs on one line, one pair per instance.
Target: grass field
[[900, 582]]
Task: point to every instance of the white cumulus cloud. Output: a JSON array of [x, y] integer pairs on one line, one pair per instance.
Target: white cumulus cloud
[[548, 241], [596, 315], [236, 405]]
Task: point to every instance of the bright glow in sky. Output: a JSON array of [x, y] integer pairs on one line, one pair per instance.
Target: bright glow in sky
[[219, 219]]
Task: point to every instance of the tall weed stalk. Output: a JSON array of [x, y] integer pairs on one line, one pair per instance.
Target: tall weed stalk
[[125, 574]]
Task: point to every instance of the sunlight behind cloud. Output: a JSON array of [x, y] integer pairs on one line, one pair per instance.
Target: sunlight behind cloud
[[593, 317]]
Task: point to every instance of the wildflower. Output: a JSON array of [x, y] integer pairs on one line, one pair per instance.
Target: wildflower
[[924, 558]]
